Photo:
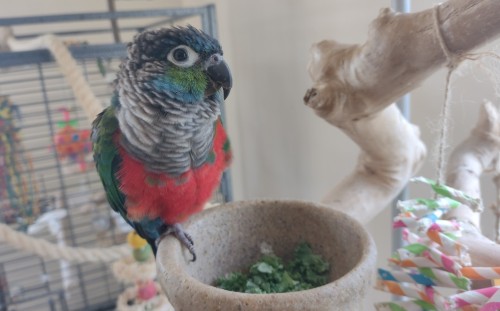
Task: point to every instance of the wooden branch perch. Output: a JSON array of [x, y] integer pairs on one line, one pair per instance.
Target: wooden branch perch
[[354, 87], [478, 153], [354, 81], [391, 154]]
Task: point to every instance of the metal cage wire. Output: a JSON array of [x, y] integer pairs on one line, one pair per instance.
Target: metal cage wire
[[69, 197]]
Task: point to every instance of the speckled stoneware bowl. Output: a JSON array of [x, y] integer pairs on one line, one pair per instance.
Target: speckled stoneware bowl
[[228, 239]]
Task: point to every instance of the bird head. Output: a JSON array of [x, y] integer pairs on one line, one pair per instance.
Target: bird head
[[182, 63]]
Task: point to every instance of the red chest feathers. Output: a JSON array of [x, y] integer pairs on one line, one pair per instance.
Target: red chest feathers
[[173, 199]]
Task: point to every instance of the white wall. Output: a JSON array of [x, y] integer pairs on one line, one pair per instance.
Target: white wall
[[281, 149]]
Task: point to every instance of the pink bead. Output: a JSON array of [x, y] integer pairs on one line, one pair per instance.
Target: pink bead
[[147, 290]]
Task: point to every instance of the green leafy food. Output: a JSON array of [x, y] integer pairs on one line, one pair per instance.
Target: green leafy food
[[271, 275], [234, 282]]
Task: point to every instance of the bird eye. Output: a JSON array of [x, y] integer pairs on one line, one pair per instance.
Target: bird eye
[[182, 56]]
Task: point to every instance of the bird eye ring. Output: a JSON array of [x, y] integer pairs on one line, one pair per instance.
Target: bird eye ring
[[182, 56]]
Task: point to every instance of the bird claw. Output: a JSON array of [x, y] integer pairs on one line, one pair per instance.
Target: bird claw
[[183, 237]]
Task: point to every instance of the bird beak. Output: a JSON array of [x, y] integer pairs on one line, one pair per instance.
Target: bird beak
[[219, 74]]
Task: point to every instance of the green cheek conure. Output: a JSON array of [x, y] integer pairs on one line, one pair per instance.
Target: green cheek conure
[[160, 148]]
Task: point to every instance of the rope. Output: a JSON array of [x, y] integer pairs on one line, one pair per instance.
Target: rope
[[48, 250], [69, 68], [453, 62], [81, 89]]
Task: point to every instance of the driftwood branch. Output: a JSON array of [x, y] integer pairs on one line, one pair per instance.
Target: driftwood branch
[[496, 206], [354, 87], [391, 154], [354, 81], [477, 154]]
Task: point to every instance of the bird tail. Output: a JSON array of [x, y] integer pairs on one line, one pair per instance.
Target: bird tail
[[152, 243]]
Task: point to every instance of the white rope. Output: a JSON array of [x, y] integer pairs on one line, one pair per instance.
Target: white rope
[[69, 68], [81, 89], [48, 250]]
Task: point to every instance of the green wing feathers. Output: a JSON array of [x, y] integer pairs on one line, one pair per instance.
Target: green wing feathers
[[107, 158]]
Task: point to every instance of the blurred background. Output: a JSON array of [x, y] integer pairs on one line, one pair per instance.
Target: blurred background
[[281, 149]]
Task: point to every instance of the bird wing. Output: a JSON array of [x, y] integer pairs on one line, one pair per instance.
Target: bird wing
[[107, 159]]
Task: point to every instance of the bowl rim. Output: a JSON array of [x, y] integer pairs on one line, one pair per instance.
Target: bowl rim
[[366, 260]]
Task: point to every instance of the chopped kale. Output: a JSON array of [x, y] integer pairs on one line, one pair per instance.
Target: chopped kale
[[270, 275]]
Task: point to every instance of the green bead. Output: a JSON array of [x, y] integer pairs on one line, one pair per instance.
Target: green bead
[[142, 254]]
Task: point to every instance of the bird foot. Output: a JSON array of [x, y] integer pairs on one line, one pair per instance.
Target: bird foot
[[181, 235]]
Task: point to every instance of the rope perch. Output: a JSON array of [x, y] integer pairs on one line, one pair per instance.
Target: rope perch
[[81, 89], [48, 250], [69, 68]]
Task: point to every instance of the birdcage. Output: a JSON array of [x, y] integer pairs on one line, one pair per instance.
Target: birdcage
[[48, 185]]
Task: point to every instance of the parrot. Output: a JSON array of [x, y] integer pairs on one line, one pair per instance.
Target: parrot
[[160, 147]]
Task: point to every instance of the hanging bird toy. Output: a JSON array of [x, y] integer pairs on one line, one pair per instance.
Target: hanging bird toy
[[18, 188], [72, 143]]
